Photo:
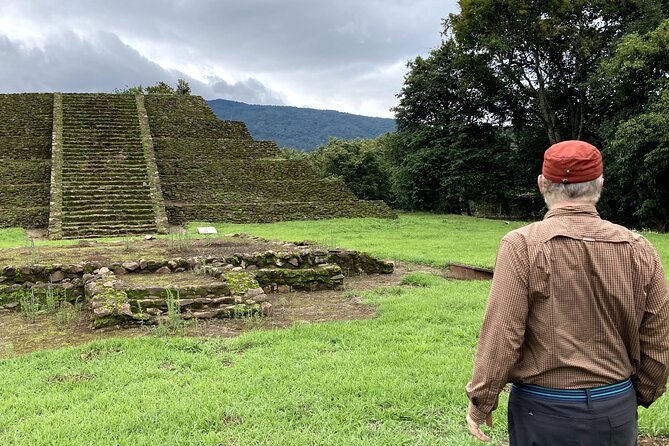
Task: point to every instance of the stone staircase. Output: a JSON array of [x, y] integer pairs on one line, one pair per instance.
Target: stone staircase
[[104, 180]]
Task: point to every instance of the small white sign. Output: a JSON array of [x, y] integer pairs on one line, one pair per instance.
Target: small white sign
[[206, 230]]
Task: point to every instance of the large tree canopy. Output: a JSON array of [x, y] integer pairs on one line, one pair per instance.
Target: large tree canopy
[[546, 53], [512, 77]]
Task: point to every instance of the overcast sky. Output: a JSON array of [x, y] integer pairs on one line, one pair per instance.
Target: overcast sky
[[346, 55]]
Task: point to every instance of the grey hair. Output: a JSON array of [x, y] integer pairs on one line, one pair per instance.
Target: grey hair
[[587, 192]]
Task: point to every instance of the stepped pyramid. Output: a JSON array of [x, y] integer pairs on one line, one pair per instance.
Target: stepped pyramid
[[91, 165]]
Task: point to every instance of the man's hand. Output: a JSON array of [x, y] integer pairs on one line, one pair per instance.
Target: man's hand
[[475, 429]]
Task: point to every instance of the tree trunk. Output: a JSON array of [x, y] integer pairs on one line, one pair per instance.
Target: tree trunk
[[547, 113]]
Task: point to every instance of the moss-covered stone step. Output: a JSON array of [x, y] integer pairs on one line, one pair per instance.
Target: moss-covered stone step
[[272, 212], [109, 227], [119, 161], [24, 171], [99, 121], [24, 148], [261, 190], [189, 116], [100, 133], [111, 139], [26, 114], [117, 210], [73, 232], [77, 184], [86, 129], [236, 170], [94, 222], [109, 192], [130, 194], [26, 217], [184, 148], [115, 165], [107, 212], [100, 152], [104, 213], [104, 147], [30, 195], [120, 187], [102, 220], [325, 276], [107, 169], [129, 203]]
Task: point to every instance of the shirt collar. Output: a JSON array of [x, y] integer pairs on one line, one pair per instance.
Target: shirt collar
[[586, 210]]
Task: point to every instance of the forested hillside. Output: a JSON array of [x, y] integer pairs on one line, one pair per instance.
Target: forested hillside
[[300, 128]]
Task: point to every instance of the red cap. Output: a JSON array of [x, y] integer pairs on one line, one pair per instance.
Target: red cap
[[571, 162]]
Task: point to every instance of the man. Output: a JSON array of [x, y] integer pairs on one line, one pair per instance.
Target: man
[[577, 319]]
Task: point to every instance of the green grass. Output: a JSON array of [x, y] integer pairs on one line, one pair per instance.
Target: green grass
[[395, 380], [13, 238], [419, 238]]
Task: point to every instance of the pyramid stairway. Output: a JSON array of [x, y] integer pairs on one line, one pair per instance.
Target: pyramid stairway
[[105, 184]]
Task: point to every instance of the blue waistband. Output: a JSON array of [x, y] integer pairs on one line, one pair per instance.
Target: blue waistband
[[597, 393]]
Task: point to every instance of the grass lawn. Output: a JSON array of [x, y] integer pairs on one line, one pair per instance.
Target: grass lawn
[[394, 380], [420, 238]]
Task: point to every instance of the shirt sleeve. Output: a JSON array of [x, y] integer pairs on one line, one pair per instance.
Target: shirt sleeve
[[651, 378], [502, 333]]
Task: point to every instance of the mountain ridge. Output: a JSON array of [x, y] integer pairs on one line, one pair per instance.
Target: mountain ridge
[[300, 128]]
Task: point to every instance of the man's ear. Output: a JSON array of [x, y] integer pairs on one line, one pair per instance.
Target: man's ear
[[540, 183]]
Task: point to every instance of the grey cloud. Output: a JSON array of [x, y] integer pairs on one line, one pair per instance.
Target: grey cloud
[[327, 51], [250, 91], [69, 63], [290, 33]]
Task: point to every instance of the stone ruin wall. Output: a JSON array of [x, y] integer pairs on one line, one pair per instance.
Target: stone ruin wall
[[238, 284]]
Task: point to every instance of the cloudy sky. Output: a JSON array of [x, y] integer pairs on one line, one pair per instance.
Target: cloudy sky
[[346, 55]]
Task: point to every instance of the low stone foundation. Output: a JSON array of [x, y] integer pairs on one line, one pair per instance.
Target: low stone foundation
[[142, 290]]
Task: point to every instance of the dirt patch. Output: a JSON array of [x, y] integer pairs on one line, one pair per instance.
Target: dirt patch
[[653, 441]]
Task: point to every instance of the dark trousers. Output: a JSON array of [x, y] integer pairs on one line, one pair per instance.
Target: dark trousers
[[535, 421]]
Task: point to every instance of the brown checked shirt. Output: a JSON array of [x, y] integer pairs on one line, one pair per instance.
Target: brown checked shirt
[[576, 302]]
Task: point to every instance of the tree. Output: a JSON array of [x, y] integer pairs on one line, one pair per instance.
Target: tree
[[360, 163], [451, 148], [513, 77], [138, 89], [182, 88], [636, 78], [160, 88], [632, 77], [637, 169], [546, 54]]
